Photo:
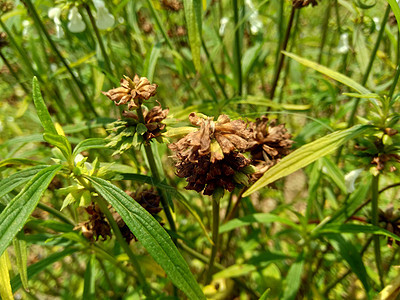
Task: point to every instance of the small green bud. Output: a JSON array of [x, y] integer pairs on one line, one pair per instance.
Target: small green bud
[[241, 178], [387, 140], [250, 169]]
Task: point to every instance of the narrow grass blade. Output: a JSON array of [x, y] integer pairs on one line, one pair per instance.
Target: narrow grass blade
[[330, 73], [333, 171], [15, 180], [5, 286], [152, 236], [22, 260], [19, 161], [350, 254], [89, 279], [93, 143], [293, 278], [306, 155], [193, 21], [151, 61], [14, 216], [41, 108], [263, 218]]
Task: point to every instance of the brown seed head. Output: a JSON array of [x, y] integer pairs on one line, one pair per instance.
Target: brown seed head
[[173, 5], [6, 6], [3, 40], [132, 91]]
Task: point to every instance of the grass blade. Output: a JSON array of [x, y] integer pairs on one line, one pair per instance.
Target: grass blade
[[41, 108], [89, 279], [22, 260], [306, 155], [14, 216], [330, 73], [293, 278], [153, 237], [193, 21], [5, 286]]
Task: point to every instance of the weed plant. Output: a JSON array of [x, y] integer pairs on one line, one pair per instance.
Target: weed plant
[[199, 149]]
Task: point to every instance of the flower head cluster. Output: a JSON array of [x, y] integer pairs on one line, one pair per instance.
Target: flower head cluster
[[6, 6], [172, 5], [131, 92], [3, 40], [211, 158], [97, 226], [303, 3], [390, 219]]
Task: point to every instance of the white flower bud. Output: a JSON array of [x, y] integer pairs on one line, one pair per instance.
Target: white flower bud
[[343, 46], [224, 21], [55, 13], [104, 20], [76, 23]]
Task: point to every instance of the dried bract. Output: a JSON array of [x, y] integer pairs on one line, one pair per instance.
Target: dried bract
[[271, 142], [173, 5], [97, 226], [132, 91]]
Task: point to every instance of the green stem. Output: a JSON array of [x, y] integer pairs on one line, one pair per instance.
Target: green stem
[[324, 32], [157, 177], [37, 19], [55, 213], [237, 48], [142, 280], [281, 56], [370, 63], [215, 238], [99, 39], [375, 219]]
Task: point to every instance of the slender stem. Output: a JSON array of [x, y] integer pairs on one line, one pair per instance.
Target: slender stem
[[370, 63], [56, 213], [281, 56], [14, 74], [142, 280], [374, 212], [215, 238], [157, 177], [213, 70], [37, 19], [99, 39], [237, 48], [324, 32]]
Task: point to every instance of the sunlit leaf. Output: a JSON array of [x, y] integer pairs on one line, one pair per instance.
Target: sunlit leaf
[[305, 155], [152, 236], [5, 286]]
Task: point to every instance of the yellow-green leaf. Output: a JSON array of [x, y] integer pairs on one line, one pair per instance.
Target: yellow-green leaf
[[5, 286], [306, 155]]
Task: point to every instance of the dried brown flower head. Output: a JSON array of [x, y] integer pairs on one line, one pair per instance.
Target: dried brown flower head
[[148, 199], [96, 226], [3, 40], [152, 119], [303, 3], [131, 92], [6, 6], [173, 5], [271, 142], [390, 219], [209, 157]]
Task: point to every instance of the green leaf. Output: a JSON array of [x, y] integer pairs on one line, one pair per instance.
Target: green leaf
[[19, 161], [356, 228], [5, 286], [14, 216], [89, 279], [306, 155], [41, 108], [330, 73], [350, 254], [151, 61], [293, 278], [141, 128], [22, 260], [93, 143], [193, 22], [40, 266], [60, 142], [15, 180], [333, 171], [264, 218], [152, 236]]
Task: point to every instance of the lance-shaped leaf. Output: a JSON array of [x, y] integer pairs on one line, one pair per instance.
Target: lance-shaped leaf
[[60, 142], [93, 143], [22, 260], [193, 21], [152, 236], [5, 286], [306, 155], [14, 216], [330, 73], [41, 108], [293, 279]]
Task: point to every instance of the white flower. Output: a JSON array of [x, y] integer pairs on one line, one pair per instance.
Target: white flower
[[223, 23], [25, 24], [343, 46], [350, 179], [55, 13], [76, 23], [255, 23], [104, 20], [376, 21]]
